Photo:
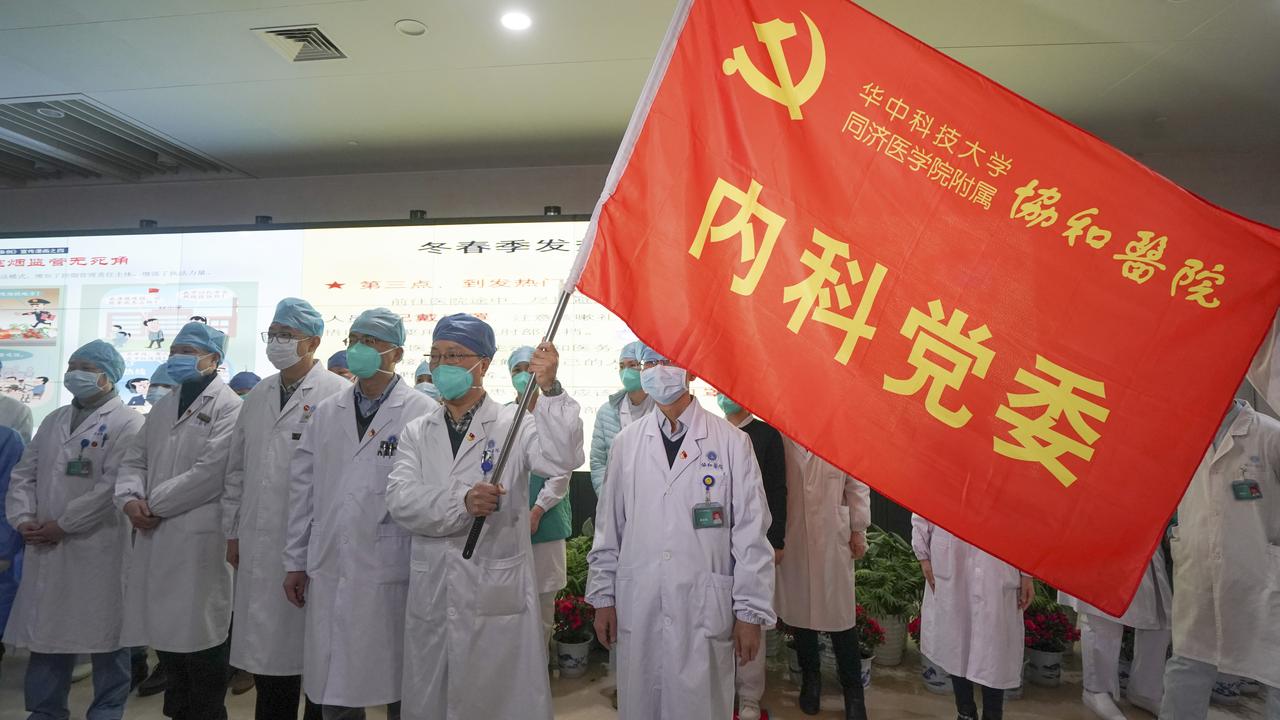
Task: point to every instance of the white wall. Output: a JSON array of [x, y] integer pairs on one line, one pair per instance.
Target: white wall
[[1246, 184], [465, 193]]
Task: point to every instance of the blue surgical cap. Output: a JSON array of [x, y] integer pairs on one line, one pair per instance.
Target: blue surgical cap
[[521, 354], [104, 356], [631, 351], [202, 336], [300, 315], [161, 376], [424, 368], [648, 354], [245, 380], [468, 331], [338, 360], [382, 324]]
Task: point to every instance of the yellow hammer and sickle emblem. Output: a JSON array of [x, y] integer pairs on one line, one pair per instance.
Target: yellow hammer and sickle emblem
[[785, 91]]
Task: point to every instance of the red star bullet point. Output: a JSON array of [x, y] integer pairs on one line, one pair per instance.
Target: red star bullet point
[[335, 285]]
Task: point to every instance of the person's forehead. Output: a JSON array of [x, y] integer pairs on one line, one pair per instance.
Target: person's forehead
[[523, 364], [449, 346], [183, 347], [277, 327]]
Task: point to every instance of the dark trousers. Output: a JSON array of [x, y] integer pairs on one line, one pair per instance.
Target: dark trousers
[[848, 657], [992, 700], [278, 697], [197, 687]]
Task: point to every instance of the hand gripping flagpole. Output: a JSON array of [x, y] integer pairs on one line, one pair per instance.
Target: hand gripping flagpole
[[526, 397], [638, 117]]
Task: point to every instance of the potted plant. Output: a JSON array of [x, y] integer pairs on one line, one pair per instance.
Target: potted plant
[[1126, 657], [573, 634], [870, 637], [889, 584], [936, 680], [1049, 634]]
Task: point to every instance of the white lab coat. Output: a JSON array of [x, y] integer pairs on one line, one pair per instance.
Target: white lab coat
[[550, 570], [824, 508], [678, 590], [178, 597], [356, 557], [1226, 556], [15, 414], [71, 598], [267, 636], [1151, 606], [970, 625], [474, 642]]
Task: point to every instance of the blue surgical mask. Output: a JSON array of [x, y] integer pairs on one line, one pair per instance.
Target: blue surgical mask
[[428, 389], [182, 368], [83, 384], [452, 381], [728, 406], [630, 379], [154, 393], [520, 381]]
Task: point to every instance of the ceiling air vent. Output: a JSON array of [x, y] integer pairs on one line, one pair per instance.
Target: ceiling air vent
[[301, 43]]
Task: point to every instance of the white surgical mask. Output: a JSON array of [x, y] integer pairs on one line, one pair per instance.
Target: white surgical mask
[[283, 355], [664, 383]]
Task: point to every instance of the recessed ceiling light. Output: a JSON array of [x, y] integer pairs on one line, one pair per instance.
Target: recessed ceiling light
[[353, 143], [412, 28], [51, 113], [516, 21]]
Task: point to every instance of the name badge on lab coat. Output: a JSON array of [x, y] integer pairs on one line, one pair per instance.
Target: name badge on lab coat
[[708, 515], [1246, 490], [80, 468]]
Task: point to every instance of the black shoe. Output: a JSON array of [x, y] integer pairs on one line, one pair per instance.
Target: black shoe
[[810, 691], [155, 683], [855, 703], [138, 675]]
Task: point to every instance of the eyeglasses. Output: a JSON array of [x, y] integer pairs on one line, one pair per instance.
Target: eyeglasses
[[365, 340], [435, 360], [270, 337], [655, 363]]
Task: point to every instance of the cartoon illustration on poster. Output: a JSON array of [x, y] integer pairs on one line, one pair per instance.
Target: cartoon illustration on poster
[[29, 316]]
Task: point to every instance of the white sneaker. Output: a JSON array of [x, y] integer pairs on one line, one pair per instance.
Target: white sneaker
[[1102, 705], [748, 710], [81, 672], [1151, 705]]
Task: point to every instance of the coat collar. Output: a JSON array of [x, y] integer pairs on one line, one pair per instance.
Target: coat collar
[[1242, 425], [691, 447], [211, 391], [300, 395], [395, 400], [96, 419], [481, 433]]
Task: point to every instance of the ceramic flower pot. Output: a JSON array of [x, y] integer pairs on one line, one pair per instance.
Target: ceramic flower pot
[[1046, 668], [573, 657]]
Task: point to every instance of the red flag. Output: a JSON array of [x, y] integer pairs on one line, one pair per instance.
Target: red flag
[[984, 312]]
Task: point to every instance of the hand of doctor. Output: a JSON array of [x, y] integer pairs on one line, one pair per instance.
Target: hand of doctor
[[295, 588], [49, 533], [777, 556], [544, 364], [482, 499], [535, 519], [607, 626], [1026, 593], [140, 515], [233, 553], [858, 544], [746, 639], [926, 567], [30, 532]]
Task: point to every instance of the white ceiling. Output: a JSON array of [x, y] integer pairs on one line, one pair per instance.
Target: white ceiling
[[1146, 75]]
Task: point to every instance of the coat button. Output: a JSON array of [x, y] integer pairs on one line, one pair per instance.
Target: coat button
[[666, 621], [344, 540], [666, 555], [453, 613]]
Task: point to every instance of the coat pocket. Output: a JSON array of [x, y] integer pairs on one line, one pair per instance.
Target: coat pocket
[[391, 548], [941, 552], [716, 617], [501, 590]]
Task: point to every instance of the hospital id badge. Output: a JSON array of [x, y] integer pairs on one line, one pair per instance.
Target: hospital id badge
[[80, 468], [708, 515], [1246, 490]]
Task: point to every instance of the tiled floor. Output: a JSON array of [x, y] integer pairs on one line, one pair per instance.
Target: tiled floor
[[895, 694]]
